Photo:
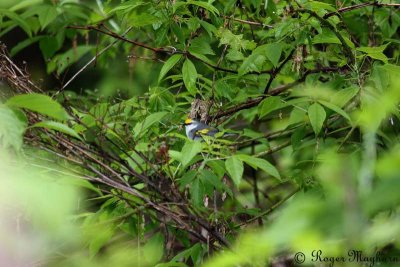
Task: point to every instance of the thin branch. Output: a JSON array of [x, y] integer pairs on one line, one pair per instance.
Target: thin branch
[[278, 90], [274, 149], [268, 211], [90, 62], [346, 48], [277, 70], [164, 50], [349, 8], [254, 23]]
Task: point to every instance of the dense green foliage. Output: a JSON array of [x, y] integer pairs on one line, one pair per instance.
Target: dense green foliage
[[310, 87]]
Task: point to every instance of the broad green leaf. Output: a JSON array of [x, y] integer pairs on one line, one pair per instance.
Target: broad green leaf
[[17, 19], [255, 61], [46, 14], [100, 239], [375, 52], [317, 116], [234, 167], [187, 178], [57, 126], [189, 151], [143, 19], [11, 128], [201, 46], [329, 37], [210, 178], [343, 96], [234, 55], [261, 164], [335, 108], [297, 137], [326, 37], [127, 6], [168, 65], [210, 28], [297, 115], [62, 61], [189, 74], [235, 41], [21, 45], [217, 166], [148, 121], [318, 6], [154, 248], [25, 4], [197, 192], [42, 104], [273, 52], [48, 45], [252, 63], [204, 5], [268, 105]]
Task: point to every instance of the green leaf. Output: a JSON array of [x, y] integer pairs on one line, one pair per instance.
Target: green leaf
[[317, 116], [187, 178], [18, 20], [261, 164], [201, 46], [143, 19], [318, 6], [148, 121], [255, 61], [204, 5], [25, 43], [42, 104], [375, 52], [57, 126], [168, 65], [335, 108], [268, 105], [209, 177], [234, 167], [62, 61], [235, 41], [154, 248], [343, 96], [189, 74], [273, 52], [48, 45], [252, 63], [11, 128], [24, 4], [46, 15], [189, 151], [197, 192], [297, 137], [326, 37]]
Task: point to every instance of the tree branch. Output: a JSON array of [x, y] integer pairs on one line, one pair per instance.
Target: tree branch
[[349, 8]]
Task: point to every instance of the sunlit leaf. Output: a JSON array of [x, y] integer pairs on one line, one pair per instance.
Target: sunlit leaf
[[234, 167], [57, 126], [168, 65], [189, 76], [42, 104], [317, 116]]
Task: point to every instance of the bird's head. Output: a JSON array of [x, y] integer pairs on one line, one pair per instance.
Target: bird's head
[[189, 121]]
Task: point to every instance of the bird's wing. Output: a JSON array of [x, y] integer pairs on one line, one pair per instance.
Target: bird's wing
[[204, 129]]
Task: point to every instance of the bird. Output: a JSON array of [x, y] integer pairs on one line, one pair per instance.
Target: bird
[[195, 130]]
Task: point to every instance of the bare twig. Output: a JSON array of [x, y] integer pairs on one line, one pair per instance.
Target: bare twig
[[349, 8], [90, 62]]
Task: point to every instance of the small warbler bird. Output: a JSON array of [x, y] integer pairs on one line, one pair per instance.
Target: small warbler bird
[[195, 130]]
